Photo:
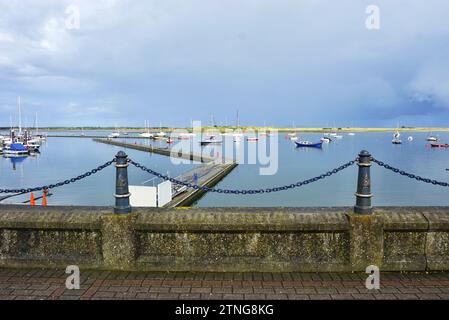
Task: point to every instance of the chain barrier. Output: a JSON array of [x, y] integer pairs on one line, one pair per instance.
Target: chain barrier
[[225, 191], [250, 191], [409, 175], [62, 183]]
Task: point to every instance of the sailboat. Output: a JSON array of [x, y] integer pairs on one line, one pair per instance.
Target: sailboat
[[147, 133], [396, 138], [160, 134], [114, 134], [237, 136]]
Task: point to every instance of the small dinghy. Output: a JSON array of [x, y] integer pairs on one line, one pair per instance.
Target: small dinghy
[[432, 138], [302, 144], [439, 145], [325, 139]]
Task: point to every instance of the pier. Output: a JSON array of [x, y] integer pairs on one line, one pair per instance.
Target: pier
[[162, 151], [207, 175]]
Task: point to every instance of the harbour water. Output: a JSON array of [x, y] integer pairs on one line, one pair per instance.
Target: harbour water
[[63, 158]]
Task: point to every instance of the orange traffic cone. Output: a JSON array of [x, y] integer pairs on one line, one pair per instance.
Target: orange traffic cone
[[44, 198], [32, 199]]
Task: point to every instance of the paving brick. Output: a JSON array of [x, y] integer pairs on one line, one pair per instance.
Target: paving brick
[[222, 289], [320, 297], [252, 296], [298, 297], [96, 285], [385, 296], [342, 296], [363, 296], [428, 296], [193, 296], [232, 296], [242, 290], [201, 290], [180, 290]]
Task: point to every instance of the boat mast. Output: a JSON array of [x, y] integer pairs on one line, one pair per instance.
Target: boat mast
[[35, 123], [238, 121], [20, 115]]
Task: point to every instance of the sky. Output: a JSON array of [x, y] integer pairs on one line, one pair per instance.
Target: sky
[[308, 63]]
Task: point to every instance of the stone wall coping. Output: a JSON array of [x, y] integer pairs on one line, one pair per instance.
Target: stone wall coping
[[51, 217], [244, 219], [224, 218]]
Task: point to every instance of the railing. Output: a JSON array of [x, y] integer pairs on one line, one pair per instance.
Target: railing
[[122, 205]]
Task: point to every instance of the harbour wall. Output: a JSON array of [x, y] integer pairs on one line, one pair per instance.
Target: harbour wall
[[225, 239]]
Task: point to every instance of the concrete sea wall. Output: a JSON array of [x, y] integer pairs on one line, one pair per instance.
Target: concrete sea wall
[[225, 239]]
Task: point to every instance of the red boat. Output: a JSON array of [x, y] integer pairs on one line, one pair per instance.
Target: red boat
[[439, 145]]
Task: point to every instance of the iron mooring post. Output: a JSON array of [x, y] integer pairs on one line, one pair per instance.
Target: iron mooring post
[[122, 194], [363, 194]]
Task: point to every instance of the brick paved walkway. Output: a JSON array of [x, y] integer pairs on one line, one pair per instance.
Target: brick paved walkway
[[50, 284]]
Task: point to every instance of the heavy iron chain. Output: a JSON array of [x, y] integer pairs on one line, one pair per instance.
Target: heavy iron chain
[[409, 175], [250, 191], [62, 183]]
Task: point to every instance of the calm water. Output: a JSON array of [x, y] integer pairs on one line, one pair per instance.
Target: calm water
[[63, 158]]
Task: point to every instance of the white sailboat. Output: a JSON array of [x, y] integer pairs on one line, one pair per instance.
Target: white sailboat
[[147, 133], [114, 134], [161, 133], [396, 138]]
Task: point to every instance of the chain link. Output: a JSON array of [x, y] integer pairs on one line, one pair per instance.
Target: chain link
[[62, 183], [409, 175], [250, 191]]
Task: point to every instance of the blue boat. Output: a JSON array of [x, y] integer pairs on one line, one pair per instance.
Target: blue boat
[[15, 149], [308, 144]]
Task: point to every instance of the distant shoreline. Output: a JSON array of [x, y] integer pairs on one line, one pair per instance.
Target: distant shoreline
[[244, 128]]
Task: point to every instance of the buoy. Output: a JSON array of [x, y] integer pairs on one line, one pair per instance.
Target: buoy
[[44, 198], [32, 203]]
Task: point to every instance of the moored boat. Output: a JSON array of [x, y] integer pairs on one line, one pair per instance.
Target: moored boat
[[114, 135], [439, 145], [432, 138], [325, 139], [396, 139], [252, 139], [211, 140], [15, 149], [309, 144]]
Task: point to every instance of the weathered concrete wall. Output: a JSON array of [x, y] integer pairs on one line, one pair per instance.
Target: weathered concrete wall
[[225, 239]]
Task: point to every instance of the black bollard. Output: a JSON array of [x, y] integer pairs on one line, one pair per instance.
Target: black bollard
[[122, 194], [363, 194]]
